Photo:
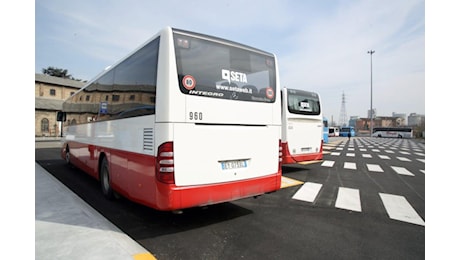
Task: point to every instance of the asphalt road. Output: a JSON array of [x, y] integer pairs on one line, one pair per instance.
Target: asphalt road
[[364, 200]]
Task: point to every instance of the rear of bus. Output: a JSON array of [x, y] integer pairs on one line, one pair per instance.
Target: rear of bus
[[217, 123], [302, 126]]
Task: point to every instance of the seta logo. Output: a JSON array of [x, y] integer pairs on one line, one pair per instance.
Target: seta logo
[[234, 76]]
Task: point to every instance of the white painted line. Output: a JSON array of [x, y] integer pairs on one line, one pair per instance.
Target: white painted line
[[351, 149], [402, 170], [399, 208], [339, 148], [423, 171], [308, 192], [348, 199], [421, 160], [328, 163], [420, 154], [350, 154], [366, 155], [376, 150], [406, 153], [363, 150], [335, 153], [350, 165], [389, 151], [374, 168], [404, 159], [385, 157]]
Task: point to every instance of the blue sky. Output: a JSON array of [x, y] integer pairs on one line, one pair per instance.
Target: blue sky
[[320, 45]]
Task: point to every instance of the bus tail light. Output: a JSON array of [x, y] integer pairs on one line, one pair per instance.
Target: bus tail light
[[280, 154], [165, 163]]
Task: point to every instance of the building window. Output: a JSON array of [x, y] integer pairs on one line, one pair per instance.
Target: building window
[[131, 97], [107, 98], [71, 93], [115, 98], [52, 92], [87, 97], [45, 125]]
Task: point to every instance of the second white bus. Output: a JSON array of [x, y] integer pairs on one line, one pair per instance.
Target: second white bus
[[302, 126], [395, 132], [334, 131], [185, 120]]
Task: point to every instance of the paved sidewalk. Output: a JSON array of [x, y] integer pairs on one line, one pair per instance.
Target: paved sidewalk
[[68, 228]]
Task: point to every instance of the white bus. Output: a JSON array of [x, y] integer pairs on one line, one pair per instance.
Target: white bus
[[185, 120], [395, 132], [302, 126], [334, 131]]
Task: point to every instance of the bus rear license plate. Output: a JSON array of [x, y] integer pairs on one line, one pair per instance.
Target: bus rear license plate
[[228, 165]]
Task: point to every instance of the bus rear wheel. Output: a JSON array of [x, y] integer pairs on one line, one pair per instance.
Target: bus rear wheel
[[105, 180]]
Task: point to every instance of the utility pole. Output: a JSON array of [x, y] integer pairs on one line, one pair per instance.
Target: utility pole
[[371, 123]]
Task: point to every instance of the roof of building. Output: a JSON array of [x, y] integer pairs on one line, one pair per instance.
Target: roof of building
[[48, 104], [58, 81]]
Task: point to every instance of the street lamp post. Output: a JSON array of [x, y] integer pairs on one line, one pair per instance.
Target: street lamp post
[[371, 52]]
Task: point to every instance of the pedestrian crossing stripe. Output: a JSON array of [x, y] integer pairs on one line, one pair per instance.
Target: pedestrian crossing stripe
[[402, 170], [398, 208], [328, 163], [374, 168], [349, 165], [288, 182], [348, 199], [308, 192]]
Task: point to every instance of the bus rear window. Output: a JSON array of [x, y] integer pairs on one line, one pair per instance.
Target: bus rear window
[[220, 69], [303, 102]]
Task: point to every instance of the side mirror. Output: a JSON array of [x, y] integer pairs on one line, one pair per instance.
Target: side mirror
[[61, 116]]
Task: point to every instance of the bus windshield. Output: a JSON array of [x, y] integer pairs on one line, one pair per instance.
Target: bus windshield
[[224, 71]]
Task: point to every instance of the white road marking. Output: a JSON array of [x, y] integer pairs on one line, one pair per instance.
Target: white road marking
[[398, 208], [374, 167], [366, 155], [308, 192], [404, 159], [348, 199], [350, 165], [350, 154], [389, 151], [328, 163], [402, 170], [335, 153], [385, 157]]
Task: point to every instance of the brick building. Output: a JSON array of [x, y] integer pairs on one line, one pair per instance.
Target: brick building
[[50, 93], [362, 125]]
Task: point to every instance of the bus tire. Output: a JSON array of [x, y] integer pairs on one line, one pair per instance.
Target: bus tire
[[105, 180]]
